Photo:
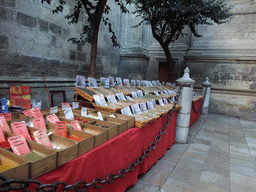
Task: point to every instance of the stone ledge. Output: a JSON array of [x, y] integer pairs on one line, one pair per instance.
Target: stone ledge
[[230, 59]]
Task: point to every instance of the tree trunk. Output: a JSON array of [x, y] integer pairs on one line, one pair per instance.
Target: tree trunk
[[94, 44], [172, 76]]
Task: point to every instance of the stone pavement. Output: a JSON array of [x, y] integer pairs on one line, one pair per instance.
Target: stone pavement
[[220, 156]]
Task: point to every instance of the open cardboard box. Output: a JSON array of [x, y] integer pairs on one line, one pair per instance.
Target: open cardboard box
[[19, 171]]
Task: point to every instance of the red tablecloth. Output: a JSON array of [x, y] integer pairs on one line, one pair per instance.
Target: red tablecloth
[[193, 115], [115, 154]]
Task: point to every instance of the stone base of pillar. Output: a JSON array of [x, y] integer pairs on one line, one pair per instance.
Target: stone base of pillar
[[182, 134]]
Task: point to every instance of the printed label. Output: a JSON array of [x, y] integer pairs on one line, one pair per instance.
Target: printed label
[[111, 99], [3, 125], [84, 112], [126, 111], [19, 145], [52, 118], [7, 116], [75, 105], [39, 123], [135, 109], [69, 114], [19, 128], [61, 129], [143, 107], [53, 110], [75, 124], [42, 138]]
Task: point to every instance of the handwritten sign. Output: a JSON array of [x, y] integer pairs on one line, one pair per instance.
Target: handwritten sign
[[3, 125], [19, 145], [42, 138], [52, 118], [61, 128], [19, 128], [39, 123], [75, 124]]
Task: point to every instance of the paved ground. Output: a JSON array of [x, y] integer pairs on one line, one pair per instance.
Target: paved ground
[[220, 156]]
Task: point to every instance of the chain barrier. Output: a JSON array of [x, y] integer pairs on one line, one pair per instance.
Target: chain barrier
[[82, 186], [202, 103]]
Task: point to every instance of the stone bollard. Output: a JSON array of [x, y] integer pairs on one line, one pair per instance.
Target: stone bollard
[[185, 100], [206, 90]]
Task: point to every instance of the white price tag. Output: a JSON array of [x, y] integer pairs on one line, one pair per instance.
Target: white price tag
[[154, 83], [83, 111], [146, 93], [161, 92], [140, 93], [75, 105], [126, 111], [99, 99], [133, 83], [134, 95], [150, 105], [154, 102], [165, 101], [143, 107], [111, 99], [100, 116], [53, 110], [37, 104], [104, 82], [64, 107], [136, 109], [165, 91], [138, 83], [129, 98], [119, 81], [156, 93], [161, 102], [150, 84], [69, 114], [92, 82], [120, 96], [111, 81], [126, 82]]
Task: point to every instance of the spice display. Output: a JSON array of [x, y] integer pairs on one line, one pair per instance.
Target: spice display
[[103, 126], [81, 120], [33, 156], [6, 163], [75, 138], [4, 144]]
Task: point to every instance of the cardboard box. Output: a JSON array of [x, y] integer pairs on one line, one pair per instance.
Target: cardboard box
[[21, 171]]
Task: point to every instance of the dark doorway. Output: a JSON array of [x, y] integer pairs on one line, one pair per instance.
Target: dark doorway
[[164, 72]]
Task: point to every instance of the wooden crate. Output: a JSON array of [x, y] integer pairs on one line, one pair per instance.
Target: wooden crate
[[21, 171], [101, 135], [44, 165], [69, 149], [88, 142], [112, 131], [122, 124]]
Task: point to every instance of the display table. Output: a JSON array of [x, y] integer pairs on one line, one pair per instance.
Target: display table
[[116, 154], [193, 115]]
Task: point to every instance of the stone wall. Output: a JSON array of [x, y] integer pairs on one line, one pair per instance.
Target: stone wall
[[33, 41], [227, 55]]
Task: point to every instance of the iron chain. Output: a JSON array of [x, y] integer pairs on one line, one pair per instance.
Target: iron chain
[[202, 103], [82, 186]]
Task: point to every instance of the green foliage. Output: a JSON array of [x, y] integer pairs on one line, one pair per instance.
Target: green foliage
[[90, 9], [169, 17]]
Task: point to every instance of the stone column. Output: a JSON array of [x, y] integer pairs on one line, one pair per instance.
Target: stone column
[[185, 101], [206, 90]]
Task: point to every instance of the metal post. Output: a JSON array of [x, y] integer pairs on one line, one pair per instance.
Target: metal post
[[206, 90], [185, 101]]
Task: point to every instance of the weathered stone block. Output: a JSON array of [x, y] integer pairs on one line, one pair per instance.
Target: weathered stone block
[[81, 56], [28, 60], [72, 55], [10, 3], [6, 14], [55, 28], [26, 20], [4, 42], [43, 25], [54, 40], [66, 33], [55, 63]]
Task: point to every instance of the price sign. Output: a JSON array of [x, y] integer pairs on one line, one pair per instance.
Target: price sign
[[143, 107], [64, 107], [146, 93], [119, 81], [126, 82], [99, 99], [138, 83], [3, 125], [161, 102], [150, 105], [19, 145], [154, 83], [42, 138], [75, 105], [52, 118], [69, 114], [75, 124], [84, 112], [134, 95], [36, 113], [7, 116], [92, 82], [154, 102], [100, 116], [133, 83], [19, 128], [126, 111], [135, 109], [140, 93], [111, 81], [39, 123], [111, 99], [104, 82], [53, 110], [128, 98], [156, 93], [61, 129], [80, 81], [165, 101], [161, 92], [120, 96]]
